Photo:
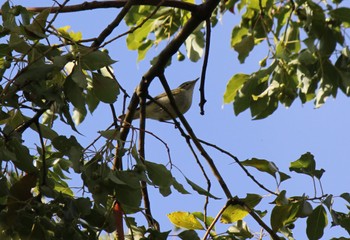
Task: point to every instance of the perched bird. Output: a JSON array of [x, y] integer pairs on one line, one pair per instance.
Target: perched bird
[[183, 97]]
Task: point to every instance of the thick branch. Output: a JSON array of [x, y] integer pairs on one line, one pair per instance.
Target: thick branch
[[203, 12], [196, 141], [109, 29], [114, 4]]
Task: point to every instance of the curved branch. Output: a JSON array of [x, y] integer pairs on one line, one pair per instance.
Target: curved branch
[[114, 4], [239, 164]]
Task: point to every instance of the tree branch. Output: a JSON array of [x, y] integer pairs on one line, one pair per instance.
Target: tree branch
[[142, 93], [202, 12], [109, 29], [239, 164], [195, 140], [204, 67], [114, 4]]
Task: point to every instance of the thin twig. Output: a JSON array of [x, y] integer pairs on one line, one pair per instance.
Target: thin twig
[[204, 67], [204, 10], [215, 220], [239, 164], [43, 155], [133, 29], [163, 80], [194, 138], [22, 127]]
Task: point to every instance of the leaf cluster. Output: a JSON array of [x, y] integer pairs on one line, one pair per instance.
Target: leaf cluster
[[50, 76]]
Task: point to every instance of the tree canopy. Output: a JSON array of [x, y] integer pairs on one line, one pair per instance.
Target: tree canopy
[[53, 78]]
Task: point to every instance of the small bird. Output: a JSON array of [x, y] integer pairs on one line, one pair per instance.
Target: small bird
[[183, 97]]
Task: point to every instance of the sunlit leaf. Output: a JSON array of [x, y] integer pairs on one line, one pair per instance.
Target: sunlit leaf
[[194, 46], [233, 213], [305, 164], [234, 84], [185, 220]]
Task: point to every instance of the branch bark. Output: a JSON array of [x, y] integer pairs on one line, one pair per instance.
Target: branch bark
[[202, 12], [114, 4]]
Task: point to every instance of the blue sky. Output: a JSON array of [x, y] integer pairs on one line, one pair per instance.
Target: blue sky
[[281, 138]]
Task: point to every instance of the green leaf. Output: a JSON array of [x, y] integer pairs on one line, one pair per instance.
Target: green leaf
[[262, 165], [91, 100], [237, 35], [341, 14], [327, 42], [233, 213], [244, 47], [281, 199], [23, 161], [185, 220], [195, 45], [8, 18], [316, 223], [110, 134], [200, 190], [138, 37], [36, 29], [251, 200], [283, 176], [74, 93], [234, 85], [83, 206], [78, 76], [94, 60], [305, 164], [345, 196], [160, 176], [79, 115], [305, 209], [240, 229], [71, 148], [60, 185], [188, 235], [208, 219], [155, 234], [106, 89], [179, 187], [143, 49], [18, 44], [283, 215], [46, 131], [292, 38]]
